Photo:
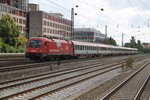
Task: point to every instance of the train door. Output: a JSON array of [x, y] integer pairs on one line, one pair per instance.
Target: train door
[[45, 47]]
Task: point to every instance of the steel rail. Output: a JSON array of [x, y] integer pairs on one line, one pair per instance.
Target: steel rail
[[58, 81], [21, 67], [139, 93], [77, 68], [107, 96]]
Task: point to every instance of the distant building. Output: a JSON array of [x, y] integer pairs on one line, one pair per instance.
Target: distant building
[[146, 45], [49, 24], [17, 14], [88, 35], [33, 7], [21, 4]]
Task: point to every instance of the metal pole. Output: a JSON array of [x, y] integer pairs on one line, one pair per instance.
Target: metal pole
[[105, 32], [27, 20], [72, 24], [148, 23], [122, 39]]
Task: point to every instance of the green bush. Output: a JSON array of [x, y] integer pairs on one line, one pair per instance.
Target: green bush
[[21, 50], [5, 48], [1, 47], [11, 49], [129, 61]]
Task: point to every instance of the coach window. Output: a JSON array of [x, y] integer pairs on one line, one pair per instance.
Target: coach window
[[85, 47], [81, 47], [75, 46], [78, 47]]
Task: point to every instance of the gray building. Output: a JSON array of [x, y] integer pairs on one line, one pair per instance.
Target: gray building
[[49, 24], [88, 35]]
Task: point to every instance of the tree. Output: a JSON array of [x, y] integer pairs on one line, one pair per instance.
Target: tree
[[9, 30], [127, 45], [21, 43], [21, 40], [139, 46], [133, 42], [110, 41]]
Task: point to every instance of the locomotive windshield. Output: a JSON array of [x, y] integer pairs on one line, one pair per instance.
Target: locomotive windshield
[[35, 43]]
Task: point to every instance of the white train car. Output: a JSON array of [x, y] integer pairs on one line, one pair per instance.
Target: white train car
[[96, 49]]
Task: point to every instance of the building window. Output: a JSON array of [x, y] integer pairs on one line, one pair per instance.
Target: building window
[[47, 30], [24, 21], [20, 13], [44, 22], [47, 23], [44, 30], [20, 21], [20, 28]]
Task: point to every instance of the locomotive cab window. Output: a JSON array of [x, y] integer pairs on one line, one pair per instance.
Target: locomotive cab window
[[35, 43]]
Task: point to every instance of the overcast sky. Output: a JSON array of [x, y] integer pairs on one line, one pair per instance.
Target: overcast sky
[[129, 17]]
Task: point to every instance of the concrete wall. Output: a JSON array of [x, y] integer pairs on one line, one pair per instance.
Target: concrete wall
[[35, 23]]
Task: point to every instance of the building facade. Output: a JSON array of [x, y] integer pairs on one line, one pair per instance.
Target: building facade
[[17, 14], [88, 35], [49, 24], [21, 4], [146, 45]]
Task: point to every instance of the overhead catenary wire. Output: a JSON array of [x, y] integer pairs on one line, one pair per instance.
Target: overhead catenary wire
[[135, 10], [143, 4], [58, 5], [48, 5]]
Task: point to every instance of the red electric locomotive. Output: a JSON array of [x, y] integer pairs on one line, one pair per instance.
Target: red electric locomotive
[[39, 48]]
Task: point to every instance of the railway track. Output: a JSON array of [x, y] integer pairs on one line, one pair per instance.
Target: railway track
[[11, 56], [19, 61], [49, 84], [132, 87], [144, 94], [41, 64], [5, 62], [69, 79], [45, 74], [36, 65], [144, 84]]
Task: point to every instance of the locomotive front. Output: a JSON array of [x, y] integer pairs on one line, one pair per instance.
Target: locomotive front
[[35, 48]]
